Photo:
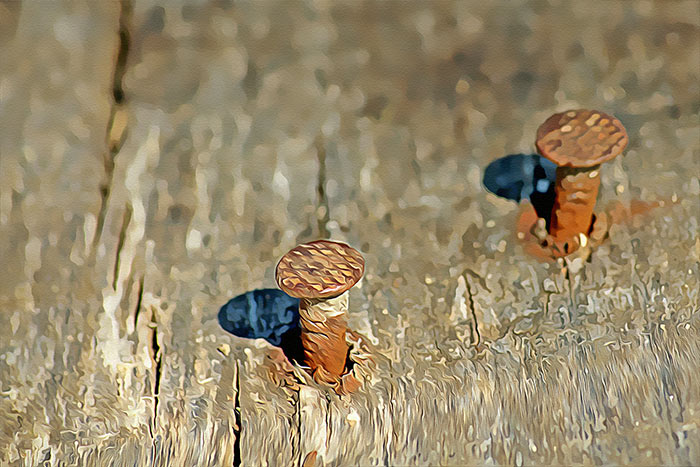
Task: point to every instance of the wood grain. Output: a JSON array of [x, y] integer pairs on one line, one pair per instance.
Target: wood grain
[[245, 129]]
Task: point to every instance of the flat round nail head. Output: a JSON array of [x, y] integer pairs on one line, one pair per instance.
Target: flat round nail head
[[320, 269], [581, 138]]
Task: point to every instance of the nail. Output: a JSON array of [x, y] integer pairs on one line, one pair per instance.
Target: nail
[[578, 141], [320, 274]]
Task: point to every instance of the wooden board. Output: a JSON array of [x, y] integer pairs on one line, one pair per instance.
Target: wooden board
[[149, 178], [56, 390]]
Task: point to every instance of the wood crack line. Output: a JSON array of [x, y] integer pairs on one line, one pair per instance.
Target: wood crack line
[[157, 359], [139, 301], [116, 130], [322, 208], [126, 220], [297, 414], [238, 429], [472, 308]]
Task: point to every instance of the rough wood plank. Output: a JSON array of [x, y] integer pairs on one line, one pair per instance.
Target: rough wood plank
[[55, 109], [211, 183], [249, 128], [441, 252]]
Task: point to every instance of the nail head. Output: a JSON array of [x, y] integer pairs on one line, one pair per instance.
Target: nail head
[[581, 138], [319, 269]]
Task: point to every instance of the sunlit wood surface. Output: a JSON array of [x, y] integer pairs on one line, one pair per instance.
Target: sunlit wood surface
[[147, 179]]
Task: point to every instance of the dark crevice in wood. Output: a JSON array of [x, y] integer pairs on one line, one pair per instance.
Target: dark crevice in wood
[[157, 358], [120, 244], [322, 209], [125, 13], [329, 424], [475, 341], [116, 125], [104, 196], [297, 414], [237, 417], [139, 301]]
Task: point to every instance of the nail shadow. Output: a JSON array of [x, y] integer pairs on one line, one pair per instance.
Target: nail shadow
[[523, 176], [268, 314]]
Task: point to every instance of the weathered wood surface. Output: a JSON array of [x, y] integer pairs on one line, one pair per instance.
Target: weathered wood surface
[[127, 221]]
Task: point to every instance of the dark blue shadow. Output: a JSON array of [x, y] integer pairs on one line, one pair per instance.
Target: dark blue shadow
[[523, 176], [268, 314]]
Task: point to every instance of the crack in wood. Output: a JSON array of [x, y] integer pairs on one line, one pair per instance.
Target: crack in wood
[[472, 308], [115, 133], [157, 358], [297, 414], [237, 417], [139, 301], [329, 424], [126, 220], [322, 208], [125, 14]]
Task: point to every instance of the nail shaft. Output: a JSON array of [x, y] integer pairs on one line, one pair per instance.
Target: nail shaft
[[320, 273], [323, 327], [578, 141], [575, 196]]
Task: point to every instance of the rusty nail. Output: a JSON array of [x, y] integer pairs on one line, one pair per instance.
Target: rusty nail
[[578, 141], [320, 273]]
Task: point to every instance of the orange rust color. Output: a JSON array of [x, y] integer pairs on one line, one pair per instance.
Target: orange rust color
[[280, 370], [581, 138], [526, 220], [310, 459], [617, 213], [575, 192], [325, 348], [578, 141], [320, 269], [319, 273], [621, 214]]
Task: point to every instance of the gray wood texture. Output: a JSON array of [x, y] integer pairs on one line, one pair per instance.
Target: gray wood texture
[[157, 158]]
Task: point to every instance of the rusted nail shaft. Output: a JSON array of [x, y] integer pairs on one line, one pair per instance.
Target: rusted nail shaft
[[320, 273], [578, 141], [323, 328], [575, 196]]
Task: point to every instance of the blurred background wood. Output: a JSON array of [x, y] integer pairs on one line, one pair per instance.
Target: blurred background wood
[[157, 159]]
